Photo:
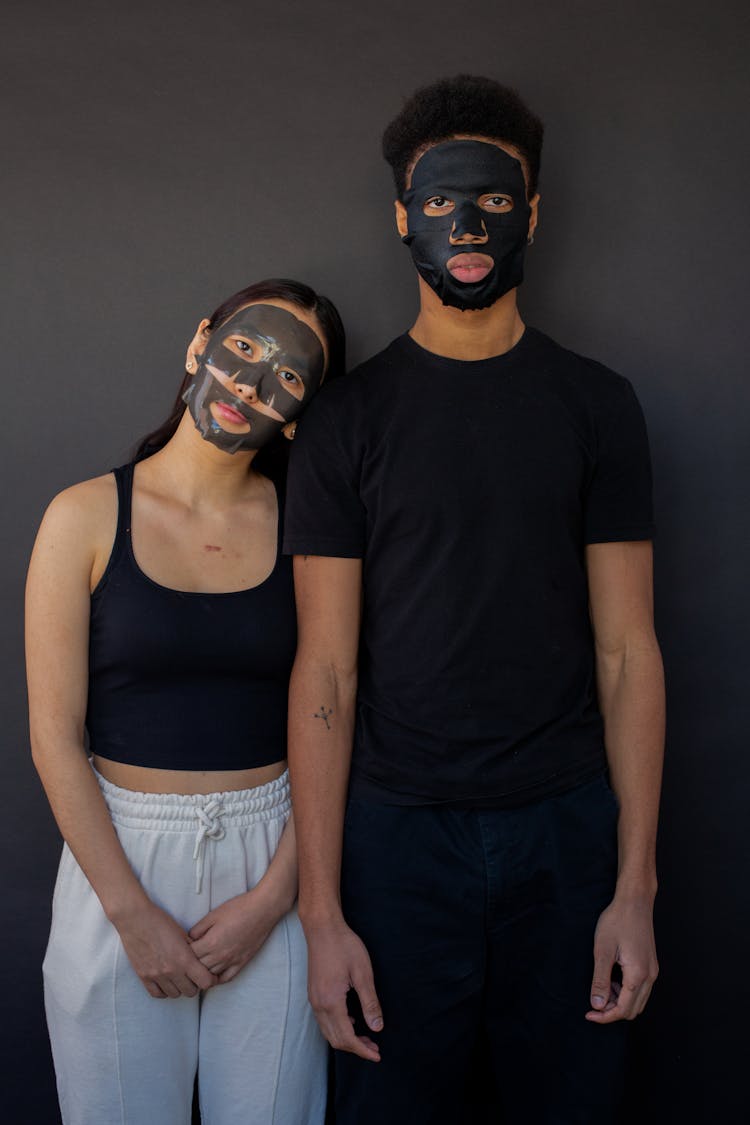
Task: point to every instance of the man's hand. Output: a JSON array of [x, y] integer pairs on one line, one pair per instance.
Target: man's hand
[[338, 961], [159, 951], [226, 938], [624, 936]]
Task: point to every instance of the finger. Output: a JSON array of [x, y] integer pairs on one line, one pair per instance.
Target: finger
[[201, 976], [210, 960], [228, 974], [623, 1009], [633, 980], [601, 982], [168, 987], [186, 986], [152, 988], [359, 1045], [200, 928], [643, 997], [364, 984], [335, 1025]]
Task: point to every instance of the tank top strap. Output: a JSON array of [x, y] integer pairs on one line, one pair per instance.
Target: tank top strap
[[124, 481], [123, 475]]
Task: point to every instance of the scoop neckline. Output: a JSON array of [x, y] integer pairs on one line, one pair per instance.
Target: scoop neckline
[[201, 593]]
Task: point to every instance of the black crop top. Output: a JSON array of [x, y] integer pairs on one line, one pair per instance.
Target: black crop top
[[187, 681]]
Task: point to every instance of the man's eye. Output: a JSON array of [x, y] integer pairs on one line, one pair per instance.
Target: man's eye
[[496, 203], [437, 205]]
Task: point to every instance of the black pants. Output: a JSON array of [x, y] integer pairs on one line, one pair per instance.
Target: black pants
[[480, 926]]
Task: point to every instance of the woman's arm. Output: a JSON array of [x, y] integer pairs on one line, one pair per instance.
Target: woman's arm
[[57, 632], [230, 935]]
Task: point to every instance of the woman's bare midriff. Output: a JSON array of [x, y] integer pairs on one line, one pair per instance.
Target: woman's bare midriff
[[145, 779]]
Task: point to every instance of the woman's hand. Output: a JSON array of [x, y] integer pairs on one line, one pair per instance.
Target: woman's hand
[[160, 952], [230, 936]]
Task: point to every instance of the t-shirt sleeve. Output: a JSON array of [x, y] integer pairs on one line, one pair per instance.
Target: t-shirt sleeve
[[618, 501], [324, 513]]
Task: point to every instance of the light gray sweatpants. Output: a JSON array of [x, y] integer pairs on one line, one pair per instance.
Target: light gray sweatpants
[[125, 1058]]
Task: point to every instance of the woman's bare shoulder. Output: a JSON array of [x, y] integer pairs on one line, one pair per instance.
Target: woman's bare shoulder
[[85, 513]]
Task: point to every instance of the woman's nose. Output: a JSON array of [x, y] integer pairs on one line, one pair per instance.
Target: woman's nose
[[248, 392]]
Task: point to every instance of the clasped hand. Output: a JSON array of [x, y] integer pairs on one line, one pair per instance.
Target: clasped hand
[[172, 962], [226, 938]]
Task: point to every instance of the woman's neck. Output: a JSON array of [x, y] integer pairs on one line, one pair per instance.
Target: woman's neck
[[201, 475]]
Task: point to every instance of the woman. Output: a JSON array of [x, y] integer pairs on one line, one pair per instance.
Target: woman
[[160, 617]]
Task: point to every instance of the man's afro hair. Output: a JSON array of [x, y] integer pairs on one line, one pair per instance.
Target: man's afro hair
[[465, 104]]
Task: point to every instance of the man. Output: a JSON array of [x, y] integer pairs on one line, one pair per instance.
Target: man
[[471, 510]]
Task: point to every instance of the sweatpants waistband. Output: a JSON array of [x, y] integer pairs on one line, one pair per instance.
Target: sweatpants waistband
[[178, 812]]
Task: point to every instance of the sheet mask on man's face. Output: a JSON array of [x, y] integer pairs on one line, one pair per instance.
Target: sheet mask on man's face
[[462, 172], [259, 370]]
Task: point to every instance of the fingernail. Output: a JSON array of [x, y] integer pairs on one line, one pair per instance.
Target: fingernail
[[597, 1001], [377, 1023]]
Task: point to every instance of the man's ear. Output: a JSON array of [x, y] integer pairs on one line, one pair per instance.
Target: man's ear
[[534, 216], [402, 220], [197, 345]]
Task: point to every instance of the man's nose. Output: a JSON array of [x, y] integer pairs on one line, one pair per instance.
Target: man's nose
[[468, 224]]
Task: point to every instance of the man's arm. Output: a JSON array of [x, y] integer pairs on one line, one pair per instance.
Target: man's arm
[[630, 682], [321, 725]]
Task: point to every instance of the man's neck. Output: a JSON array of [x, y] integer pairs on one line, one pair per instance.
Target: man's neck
[[466, 334]]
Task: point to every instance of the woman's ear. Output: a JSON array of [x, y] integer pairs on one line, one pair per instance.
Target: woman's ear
[[197, 345], [289, 430]]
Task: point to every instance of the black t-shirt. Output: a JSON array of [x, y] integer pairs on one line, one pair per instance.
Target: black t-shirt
[[470, 489]]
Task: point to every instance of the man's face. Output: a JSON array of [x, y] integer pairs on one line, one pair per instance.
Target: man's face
[[468, 222], [258, 371]]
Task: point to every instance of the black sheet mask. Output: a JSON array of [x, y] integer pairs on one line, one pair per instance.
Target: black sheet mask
[[463, 171], [252, 363]]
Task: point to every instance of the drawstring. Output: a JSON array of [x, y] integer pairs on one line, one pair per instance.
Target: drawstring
[[209, 826]]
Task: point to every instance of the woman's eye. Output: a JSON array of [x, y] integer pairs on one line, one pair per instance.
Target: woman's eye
[[245, 347], [289, 376]]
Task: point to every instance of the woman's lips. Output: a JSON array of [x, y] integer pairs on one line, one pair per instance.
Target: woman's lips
[[469, 267], [229, 414]]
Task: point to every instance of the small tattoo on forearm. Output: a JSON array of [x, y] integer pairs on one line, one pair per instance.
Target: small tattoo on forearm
[[323, 714]]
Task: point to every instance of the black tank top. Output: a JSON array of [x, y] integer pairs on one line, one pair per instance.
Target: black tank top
[[187, 681]]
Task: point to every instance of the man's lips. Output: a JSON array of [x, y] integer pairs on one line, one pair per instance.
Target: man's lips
[[469, 267]]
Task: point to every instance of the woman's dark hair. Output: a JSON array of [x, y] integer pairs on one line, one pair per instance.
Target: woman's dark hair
[[468, 104], [270, 460]]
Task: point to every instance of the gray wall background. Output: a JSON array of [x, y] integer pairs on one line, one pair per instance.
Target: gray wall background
[[160, 155]]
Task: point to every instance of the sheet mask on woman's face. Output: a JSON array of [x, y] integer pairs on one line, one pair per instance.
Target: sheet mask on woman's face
[[265, 365], [462, 172]]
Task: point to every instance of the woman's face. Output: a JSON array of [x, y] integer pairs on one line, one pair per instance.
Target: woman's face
[[255, 374]]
